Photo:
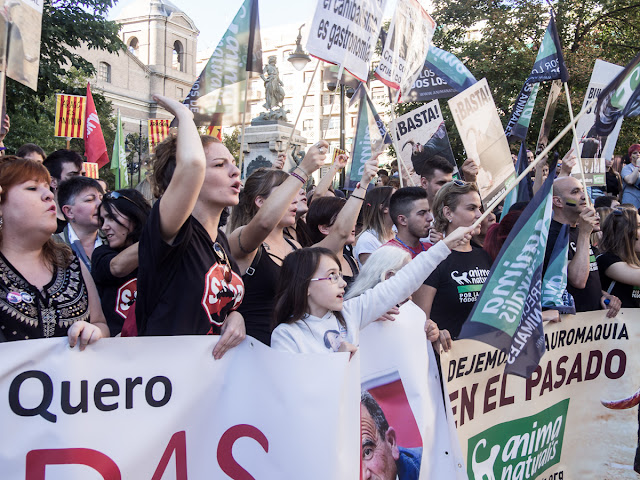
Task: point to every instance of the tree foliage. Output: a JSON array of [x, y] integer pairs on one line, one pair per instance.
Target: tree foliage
[[66, 24], [509, 35]]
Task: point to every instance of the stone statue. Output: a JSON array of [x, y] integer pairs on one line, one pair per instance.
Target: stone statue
[[274, 93]]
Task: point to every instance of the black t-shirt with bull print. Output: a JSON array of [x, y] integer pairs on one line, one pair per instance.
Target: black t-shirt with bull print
[[117, 294], [458, 281], [181, 287]]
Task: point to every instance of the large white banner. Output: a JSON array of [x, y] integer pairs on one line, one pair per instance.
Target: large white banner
[[345, 32], [593, 148], [405, 50], [480, 128], [163, 408]]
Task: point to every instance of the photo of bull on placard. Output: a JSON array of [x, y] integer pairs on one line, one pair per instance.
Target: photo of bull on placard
[[421, 135]]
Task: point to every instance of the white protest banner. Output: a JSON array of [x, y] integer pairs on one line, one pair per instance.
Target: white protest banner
[[421, 134], [594, 149], [484, 141], [568, 420], [405, 50], [22, 22], [345, 32], [399, 370], [163, 408]]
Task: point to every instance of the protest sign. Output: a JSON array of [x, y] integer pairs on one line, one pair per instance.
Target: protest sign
[[421, 134], [554, 424], [594, 148], [125, 408], [399, 370], [346, 32], [484, 141], [22, 25], [158, 131], [405, 50], [442, 76], [70, 116]]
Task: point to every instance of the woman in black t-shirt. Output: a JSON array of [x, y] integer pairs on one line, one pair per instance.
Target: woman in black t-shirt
[[618, 264], [187, 282], [454, 286], [45, 291], [114, 267]]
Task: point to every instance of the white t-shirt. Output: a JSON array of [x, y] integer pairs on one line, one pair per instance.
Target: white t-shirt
[[367, 243]]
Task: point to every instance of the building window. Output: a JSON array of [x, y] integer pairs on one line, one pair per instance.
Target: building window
[[327, 98], [134, 46], [307, 125], [179, 93], [104, 72], [307, 76], [178, 56], [333, 124]]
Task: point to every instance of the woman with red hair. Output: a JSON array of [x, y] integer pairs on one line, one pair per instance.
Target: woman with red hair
[[45, 291]]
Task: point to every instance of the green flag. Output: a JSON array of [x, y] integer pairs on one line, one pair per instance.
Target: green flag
[[119, 158]]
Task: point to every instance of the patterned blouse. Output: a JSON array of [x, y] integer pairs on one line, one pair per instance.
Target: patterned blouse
[[27, 312]]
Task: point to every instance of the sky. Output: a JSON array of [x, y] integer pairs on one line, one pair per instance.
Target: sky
[[212, 17]]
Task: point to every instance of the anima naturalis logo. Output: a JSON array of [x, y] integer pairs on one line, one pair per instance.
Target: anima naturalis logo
[[519, 449]]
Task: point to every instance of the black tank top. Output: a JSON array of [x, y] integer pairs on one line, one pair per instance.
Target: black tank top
[[260, 281], [347, 253]]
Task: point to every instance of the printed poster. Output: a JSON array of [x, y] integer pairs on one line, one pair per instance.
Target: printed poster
[[593, 148], [481, 131], [421, 134], [400, 380], [575, 417], [346, 32]]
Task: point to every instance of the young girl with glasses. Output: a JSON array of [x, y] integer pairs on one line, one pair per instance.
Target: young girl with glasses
[[310, 297]]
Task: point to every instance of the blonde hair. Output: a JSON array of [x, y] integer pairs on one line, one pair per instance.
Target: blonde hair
[[379, 264], [449, 196]]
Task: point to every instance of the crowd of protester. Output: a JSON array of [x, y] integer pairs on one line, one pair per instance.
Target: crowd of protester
[[297, 268]]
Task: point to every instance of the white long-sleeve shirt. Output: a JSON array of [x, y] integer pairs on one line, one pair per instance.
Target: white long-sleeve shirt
[[311, 334]]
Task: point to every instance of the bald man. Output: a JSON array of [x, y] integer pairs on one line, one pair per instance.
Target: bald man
[[382, 458], [583, 281]]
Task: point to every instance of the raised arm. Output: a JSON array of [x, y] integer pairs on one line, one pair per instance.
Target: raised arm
[[348, 216], [325, 182], [182, 193], [244, 241], [578, 268]]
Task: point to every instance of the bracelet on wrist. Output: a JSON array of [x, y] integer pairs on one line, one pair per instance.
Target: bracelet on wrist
[[355, 196], [295, 175], [302, 170]]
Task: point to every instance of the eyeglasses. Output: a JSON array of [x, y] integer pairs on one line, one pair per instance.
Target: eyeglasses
[[333, 278], [223, 260], [460, 183], [117, 195]]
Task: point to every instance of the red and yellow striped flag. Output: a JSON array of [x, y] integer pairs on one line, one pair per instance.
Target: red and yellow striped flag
[[91, 169], [70, 116], [215, 131], [158, 131]]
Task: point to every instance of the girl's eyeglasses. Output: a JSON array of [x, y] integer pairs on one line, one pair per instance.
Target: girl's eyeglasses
[[333, 278]]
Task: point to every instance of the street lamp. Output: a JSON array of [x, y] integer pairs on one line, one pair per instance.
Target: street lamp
[[299, 58]]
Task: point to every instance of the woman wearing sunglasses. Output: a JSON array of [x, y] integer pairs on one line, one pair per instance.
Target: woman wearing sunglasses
[[187, 282], [453, 288], [123, 215], [619, 263]]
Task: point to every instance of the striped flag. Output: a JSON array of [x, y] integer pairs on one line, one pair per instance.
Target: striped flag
[[70, 116], [158, 131], [91, 169], [119, 158]]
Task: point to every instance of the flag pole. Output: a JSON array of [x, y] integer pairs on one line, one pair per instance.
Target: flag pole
[[340, 70], [575, 137], [395, 146], [533, 164], [304, 99], [244, 117]]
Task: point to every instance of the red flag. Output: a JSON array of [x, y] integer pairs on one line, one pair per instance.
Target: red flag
[[94, 145]]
